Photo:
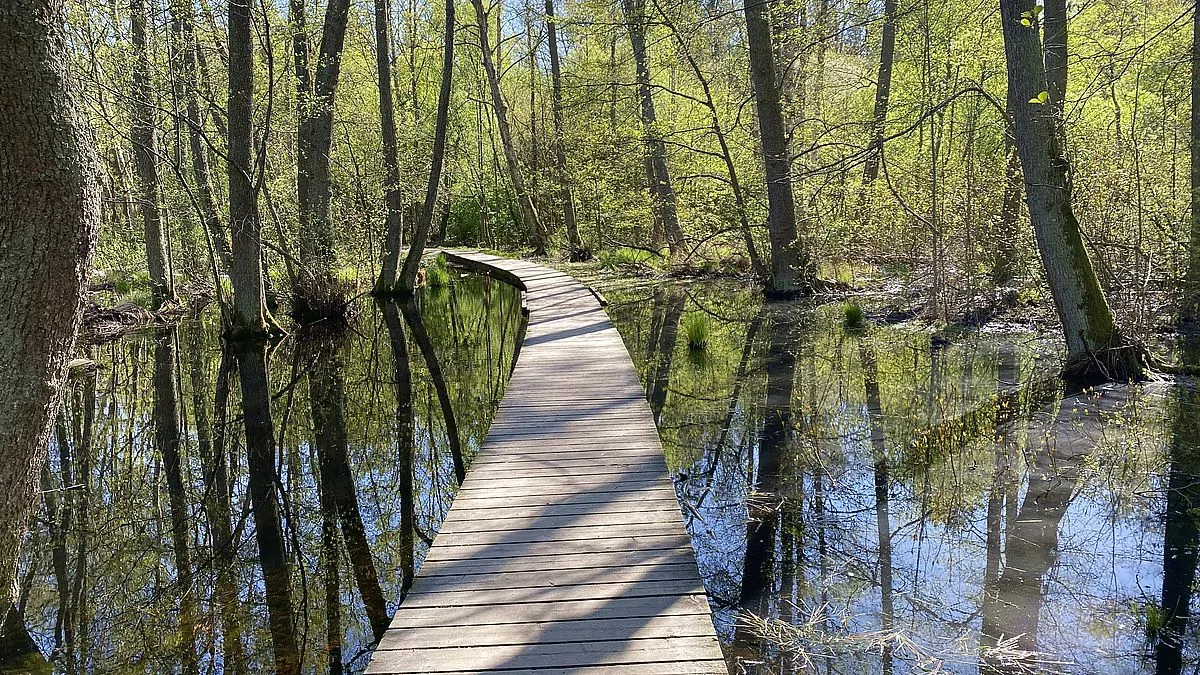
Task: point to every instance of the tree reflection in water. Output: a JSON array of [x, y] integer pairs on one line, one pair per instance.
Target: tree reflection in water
[[886, 503], [264, 510]]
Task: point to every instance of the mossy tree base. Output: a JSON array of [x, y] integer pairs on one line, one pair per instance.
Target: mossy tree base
[[1128, 363]]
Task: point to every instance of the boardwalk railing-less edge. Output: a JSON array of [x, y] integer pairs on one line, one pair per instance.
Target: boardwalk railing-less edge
[[564, 551]]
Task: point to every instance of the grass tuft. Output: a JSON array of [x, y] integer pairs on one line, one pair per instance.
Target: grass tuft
[[853, 317], [438, 274], [696, 329]]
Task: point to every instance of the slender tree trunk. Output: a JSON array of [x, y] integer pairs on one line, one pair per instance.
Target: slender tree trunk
[[317, 295], [250, 316], [189, 73], [1191, 300], [408, 278], [394, 221], [560, 149], [167, 439], [791, 265], [405, 424], [718, 130], [144, 133], [298, 20], [1095, 348], [529, 215], [883, 91], [261, 457], [49, 217], [662, 192], [327, 396], [412, 316], [1055, 30]]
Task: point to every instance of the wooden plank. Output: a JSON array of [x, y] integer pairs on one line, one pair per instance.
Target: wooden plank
[[564, 550], [695, 625], [553, 655]]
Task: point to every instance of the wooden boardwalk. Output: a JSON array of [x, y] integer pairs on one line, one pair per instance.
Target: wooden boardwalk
[[564, 551]]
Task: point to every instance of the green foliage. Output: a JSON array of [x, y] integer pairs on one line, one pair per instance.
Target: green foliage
[[853, 317], [438, 273], [696, 330], [624, 257]]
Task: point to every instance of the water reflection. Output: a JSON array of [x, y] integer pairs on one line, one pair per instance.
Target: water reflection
[[258, 511], [884, 502]]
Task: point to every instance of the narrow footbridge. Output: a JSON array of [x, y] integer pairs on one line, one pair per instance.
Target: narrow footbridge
[[564, 551]]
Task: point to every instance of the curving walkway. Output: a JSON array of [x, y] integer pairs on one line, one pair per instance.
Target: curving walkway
[[564, 551]]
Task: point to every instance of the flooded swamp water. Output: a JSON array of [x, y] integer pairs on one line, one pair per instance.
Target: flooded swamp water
[[867, 501]]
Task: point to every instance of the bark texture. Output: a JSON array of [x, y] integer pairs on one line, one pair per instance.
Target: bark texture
[[249, 316], [48, 221], [316, 136], [1095, 349], [1191, 300], [791, 267]]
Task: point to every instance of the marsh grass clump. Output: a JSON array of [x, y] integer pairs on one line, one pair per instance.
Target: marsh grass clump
[[853, 317], [623, 257], [438, 274], [696, 330]]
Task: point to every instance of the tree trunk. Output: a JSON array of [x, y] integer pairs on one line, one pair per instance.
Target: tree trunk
[[529, 215], [883, 90], [250, 316], [412, 315], [48, 222], [167, 440], [791, 265], [261, 457], [408, 279], [1191, 300], [1055, 30], [327, 397], [662, 193], [578, 253], [189, 73], [144, 134], [1095, 349], [394, 223]]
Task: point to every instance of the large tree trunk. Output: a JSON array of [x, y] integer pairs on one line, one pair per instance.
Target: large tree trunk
[[662, 192], [408, 278], [317, 295], [48, 221], [560, 149], [1095, 349], [791, 265], [883, 91], [145, 154], [529, 215], [250, 316], [394, 221]]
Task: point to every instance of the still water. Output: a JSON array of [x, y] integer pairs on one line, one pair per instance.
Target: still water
[[860, 501], [880, 501]]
